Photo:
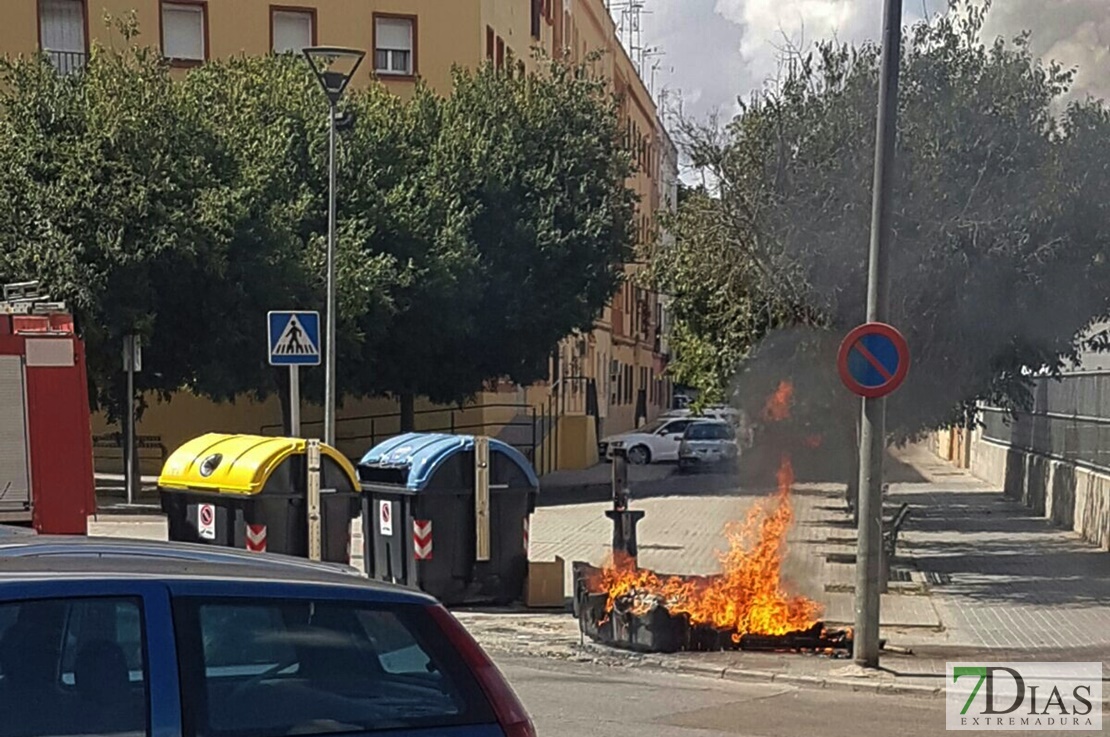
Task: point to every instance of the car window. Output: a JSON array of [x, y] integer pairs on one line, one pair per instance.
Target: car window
[[651, 427], [709, 431], [678, 426], [318, 667], [72, 667]]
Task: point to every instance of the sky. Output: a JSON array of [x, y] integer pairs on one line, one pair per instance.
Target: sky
[[717, 50]]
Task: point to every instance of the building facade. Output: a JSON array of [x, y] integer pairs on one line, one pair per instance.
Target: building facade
[[608, 380]]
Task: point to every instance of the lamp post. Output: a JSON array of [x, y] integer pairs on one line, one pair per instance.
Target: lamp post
[[872, 444], [334, 68]]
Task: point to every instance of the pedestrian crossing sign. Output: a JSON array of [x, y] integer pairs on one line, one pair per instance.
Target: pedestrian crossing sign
[[294, 338]]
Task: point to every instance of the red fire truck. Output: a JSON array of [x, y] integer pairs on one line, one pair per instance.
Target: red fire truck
[[46, 466]]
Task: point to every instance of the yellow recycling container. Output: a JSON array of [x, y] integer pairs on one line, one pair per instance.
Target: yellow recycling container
[[250, 491]]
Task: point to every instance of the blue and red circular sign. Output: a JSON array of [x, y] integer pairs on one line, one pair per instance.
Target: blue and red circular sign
[[873, 360]]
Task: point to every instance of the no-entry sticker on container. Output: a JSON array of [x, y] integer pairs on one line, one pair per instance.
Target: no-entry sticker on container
[[385, 518], [206, 521]]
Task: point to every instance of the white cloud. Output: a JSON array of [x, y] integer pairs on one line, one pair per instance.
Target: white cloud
[[1075, 33], [722, 49]]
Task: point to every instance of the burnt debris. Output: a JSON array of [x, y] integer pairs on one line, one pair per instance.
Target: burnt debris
[[642, 623]]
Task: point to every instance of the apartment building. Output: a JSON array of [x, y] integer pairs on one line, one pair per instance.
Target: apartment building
[[615, 373]]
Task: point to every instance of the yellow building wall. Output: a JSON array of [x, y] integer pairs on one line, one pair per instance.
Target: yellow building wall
[[447, 31], [19, 31], [577, 442]]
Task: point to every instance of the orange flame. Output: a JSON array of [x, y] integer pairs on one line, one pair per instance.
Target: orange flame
[[747, 596], [778, 404]]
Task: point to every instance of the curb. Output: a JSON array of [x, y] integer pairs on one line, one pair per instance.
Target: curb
[[859, 685], [754, 675], [573, 493]]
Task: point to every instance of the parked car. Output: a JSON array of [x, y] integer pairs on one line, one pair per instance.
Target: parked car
[[708, 443], [655, 442], [144, 638]]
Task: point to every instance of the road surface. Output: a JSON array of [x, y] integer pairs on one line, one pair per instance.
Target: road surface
[[569, 699]]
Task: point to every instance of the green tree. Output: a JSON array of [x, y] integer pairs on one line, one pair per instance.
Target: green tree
[[998, 260], [531, 222], [269, 118], [475, 230], [113, 200]]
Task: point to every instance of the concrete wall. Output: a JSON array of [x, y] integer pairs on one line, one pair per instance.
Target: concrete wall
[[1073, 497]]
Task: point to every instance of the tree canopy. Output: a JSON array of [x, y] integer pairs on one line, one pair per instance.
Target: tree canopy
[[998, 260], [476, 229]]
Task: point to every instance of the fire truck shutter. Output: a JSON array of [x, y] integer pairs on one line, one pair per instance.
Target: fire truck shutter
[[15, 482]]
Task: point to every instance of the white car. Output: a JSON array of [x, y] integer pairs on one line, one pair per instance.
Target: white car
[[655, 442], [708, 443]]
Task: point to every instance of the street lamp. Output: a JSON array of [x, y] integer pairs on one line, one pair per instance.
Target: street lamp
[[334, 67]]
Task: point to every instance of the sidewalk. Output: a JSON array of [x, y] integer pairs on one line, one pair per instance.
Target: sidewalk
[[987, 580], [595, 483]]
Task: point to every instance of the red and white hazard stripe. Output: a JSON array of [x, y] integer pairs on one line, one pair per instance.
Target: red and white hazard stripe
[[422, 539], [256, 538], [527, 535]]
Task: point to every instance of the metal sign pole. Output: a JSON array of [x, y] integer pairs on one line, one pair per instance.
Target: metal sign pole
[[873, 429], [132, 362], [295, 401], [481, 497], [129, 460], [312, 450]]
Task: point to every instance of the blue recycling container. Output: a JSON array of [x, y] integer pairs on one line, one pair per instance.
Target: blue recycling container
[[419, 519]]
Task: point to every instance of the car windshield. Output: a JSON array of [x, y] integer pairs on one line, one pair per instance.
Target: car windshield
[[709, 431]]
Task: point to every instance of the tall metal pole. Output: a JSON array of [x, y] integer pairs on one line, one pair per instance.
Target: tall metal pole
[[329, 342], [873, 429], [129, 477]]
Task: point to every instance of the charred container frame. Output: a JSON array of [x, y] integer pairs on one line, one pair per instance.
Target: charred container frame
[[659, 631]]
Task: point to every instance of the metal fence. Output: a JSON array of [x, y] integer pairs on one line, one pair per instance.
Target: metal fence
[[532, 430], [67, 62], [1070, 420]]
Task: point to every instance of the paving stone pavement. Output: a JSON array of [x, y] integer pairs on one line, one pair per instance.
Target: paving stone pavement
[[683, 533], [1016, 581]]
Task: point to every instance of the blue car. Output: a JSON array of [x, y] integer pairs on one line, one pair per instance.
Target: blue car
[[143, 639]]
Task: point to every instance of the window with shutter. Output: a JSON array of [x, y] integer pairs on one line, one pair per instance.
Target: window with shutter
[[62, 33], [183, 32], [394, 46], [292, 30]]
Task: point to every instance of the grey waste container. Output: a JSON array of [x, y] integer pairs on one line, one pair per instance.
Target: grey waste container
[[249, 491], [419, 521]]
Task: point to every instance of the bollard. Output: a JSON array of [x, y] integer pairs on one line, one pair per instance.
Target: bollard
[[624, 519]]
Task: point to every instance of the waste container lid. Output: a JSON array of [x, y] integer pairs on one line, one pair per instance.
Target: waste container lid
[[236, 464], [423, 453]]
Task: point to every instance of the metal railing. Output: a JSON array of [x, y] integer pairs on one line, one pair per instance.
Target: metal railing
[[110, 446], [1070, 420], [67, 62], [531, 430]]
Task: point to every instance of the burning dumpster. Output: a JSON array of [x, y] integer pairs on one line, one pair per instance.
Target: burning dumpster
[[744, 606]]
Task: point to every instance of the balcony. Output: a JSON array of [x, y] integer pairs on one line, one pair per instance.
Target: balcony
[[67, 62]]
